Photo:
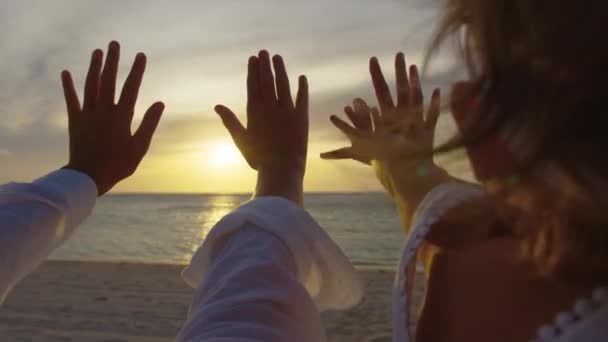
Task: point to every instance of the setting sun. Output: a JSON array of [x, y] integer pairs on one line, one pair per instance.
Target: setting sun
[[224, 154]]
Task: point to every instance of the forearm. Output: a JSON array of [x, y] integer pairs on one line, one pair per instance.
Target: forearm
[[281, 183], [273, 263], [408, 186], [38, 217], [252, 293]]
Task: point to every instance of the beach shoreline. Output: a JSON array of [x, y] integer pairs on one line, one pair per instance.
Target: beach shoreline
[[121, 301]]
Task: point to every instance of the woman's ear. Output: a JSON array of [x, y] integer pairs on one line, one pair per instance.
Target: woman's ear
[[491, 159]]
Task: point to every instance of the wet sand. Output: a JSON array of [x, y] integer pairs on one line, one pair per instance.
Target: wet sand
[[89, 301]]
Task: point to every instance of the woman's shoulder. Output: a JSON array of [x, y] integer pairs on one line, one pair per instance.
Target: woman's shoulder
[[455, 215], [485, 288]]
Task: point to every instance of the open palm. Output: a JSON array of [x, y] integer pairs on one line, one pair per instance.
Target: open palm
[[275, 141], [102, 144], [397, 133], [276, 136]]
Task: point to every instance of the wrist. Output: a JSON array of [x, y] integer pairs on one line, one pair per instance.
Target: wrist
[[85, 172], [288, 184], [409, 183], [409, 180]]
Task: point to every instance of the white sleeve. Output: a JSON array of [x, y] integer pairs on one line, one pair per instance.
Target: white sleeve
[[35, 218], [263, 274]]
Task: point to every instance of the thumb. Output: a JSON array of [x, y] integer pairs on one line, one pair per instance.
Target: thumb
[[238, 132], [233, 125]]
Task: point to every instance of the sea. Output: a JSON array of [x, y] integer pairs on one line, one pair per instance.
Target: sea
[[169, 228]]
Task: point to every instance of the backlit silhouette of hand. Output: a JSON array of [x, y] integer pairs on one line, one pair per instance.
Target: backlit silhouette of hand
[[394, 132], [101, 143], [396, 140], [275, 141], [398, 136]]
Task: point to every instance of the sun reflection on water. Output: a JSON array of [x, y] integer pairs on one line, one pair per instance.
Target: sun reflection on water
[[214, 209]]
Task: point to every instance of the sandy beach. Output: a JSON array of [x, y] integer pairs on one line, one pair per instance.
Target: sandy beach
[[86, 301]]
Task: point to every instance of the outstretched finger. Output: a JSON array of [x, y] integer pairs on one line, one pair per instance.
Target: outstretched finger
[[350, 113], [348, 130], [360, 105], [130, 91], [416, 97], [91, 87], [143, 136], [359, 119], [416, 88], [108, 76], [343, 153], [71, 97], [375, 117], [267, 88], [302, 97], [359, 114], [282, 82], [403, 83], [383, 92], [434, 110], [231, 122], [254, 94]]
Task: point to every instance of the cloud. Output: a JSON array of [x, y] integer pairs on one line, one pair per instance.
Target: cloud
[[197, 58]]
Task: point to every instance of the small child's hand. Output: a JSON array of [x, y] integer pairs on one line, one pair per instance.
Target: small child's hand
[[398, 137]]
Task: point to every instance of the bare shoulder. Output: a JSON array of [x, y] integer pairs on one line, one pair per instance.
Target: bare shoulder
[[465, 224], [468, 224], [487, 287]]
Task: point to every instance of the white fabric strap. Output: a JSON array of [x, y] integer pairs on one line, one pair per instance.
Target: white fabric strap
[[435, 204]]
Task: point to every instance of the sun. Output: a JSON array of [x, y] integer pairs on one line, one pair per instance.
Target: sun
[[224, 154]]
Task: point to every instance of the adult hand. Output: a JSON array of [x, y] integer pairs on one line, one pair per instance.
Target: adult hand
[[101, 143], [276, 138]]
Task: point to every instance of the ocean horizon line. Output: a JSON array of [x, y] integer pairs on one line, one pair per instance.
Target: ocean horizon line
[[237, 193], [357, 264]]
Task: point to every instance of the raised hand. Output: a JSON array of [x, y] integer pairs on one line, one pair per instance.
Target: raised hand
[[101, 143], [275, 141], [397, 133]]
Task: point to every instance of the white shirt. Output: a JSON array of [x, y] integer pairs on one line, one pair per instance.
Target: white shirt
[[263, 266], [268, 267], [263, 273], [36, 218]]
